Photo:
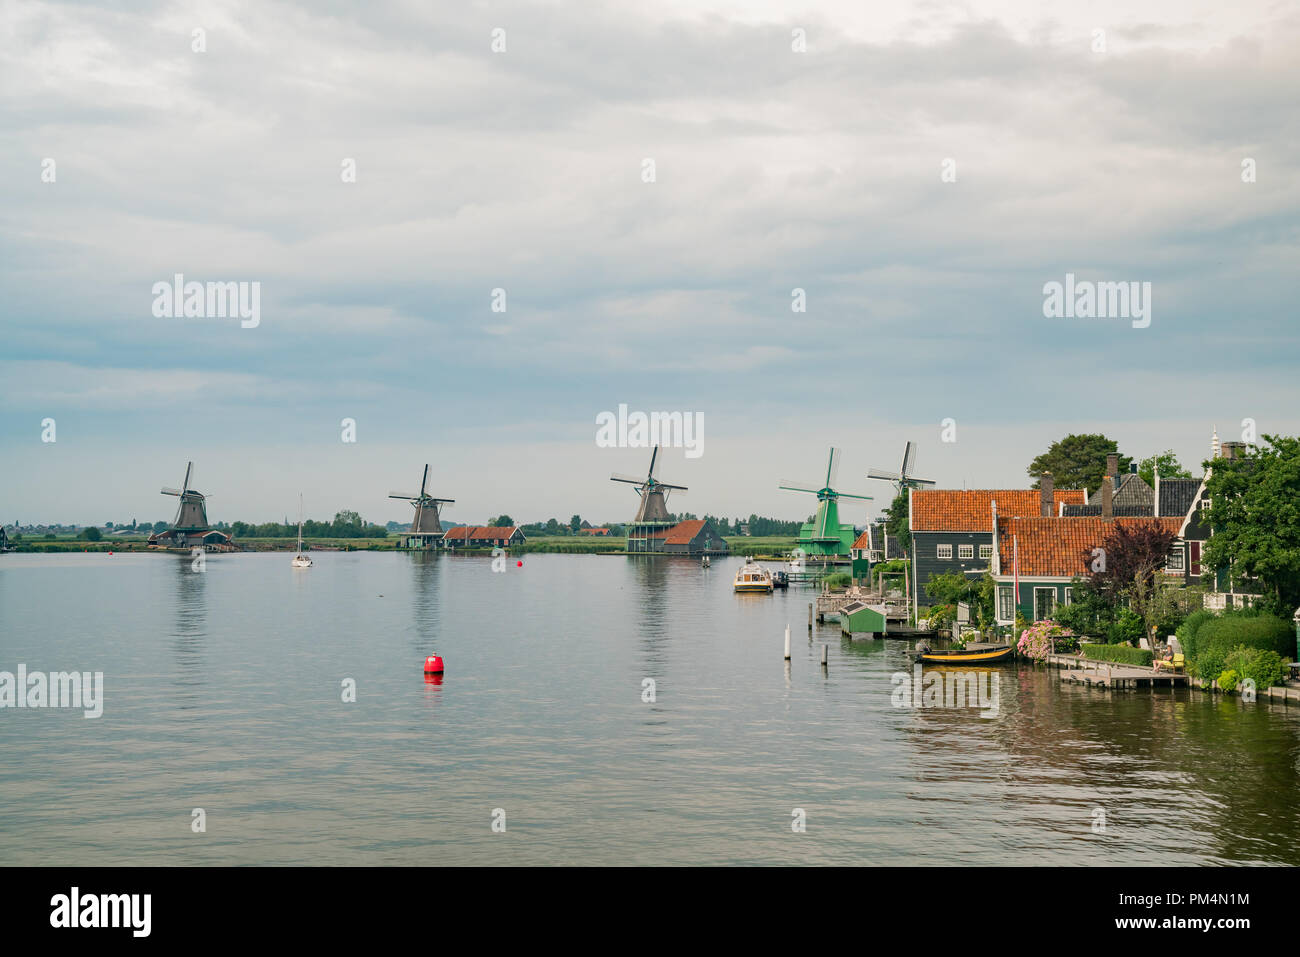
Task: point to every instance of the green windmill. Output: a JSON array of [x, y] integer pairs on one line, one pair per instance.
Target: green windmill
[[824, 535]]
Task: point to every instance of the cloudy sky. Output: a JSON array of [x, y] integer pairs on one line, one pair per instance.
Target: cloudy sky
[[1116, 156]]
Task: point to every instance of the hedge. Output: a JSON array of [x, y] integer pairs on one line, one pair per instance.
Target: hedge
[[1265, 632], [1188, 630], [1120, 654]]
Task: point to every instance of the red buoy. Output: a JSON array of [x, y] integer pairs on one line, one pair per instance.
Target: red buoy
[[433, 665], [520, 565]]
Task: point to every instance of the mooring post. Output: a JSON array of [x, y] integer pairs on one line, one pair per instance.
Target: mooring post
[[810, 616], [787, 642], [824, 650]]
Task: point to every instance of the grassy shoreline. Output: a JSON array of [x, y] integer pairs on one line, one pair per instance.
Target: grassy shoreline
[[769, 547]]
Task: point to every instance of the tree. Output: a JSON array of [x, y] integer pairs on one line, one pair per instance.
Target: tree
[[1077, 461], [1127, 569], [575, 523], [91, 534], [898, 520], [949, 588], [160, 526], [502, 521], [552, 527], [1255, 521], [1169, 467]]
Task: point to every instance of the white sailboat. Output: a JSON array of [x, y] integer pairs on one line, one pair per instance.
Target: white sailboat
[[300, 560]]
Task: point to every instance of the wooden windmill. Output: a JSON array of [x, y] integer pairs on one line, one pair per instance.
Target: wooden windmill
[[652, 514], [426, 530], [191, 514], [903, 479], [824, 535]]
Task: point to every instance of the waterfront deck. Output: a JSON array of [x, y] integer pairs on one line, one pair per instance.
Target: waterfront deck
[[1105, 674]]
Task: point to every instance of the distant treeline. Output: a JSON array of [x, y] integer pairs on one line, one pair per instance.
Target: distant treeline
[[757, 526], [346, 524]]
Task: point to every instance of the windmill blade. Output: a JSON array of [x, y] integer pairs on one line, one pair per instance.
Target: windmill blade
[[867, 498], [189, 471], [623, 477], [171, 491], [404, 495], [424, 482], [833, 468], [441, 500], [680, 488], [882, 474], [796, 486], [909, 459], [916, 481], [653, 455]]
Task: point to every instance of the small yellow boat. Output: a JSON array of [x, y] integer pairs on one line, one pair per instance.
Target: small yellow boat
[[753, 577]]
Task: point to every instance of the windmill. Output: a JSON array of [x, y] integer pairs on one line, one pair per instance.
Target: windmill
[[426, 529], [903, 478], [652, 514], [192, 512], [824, 535]]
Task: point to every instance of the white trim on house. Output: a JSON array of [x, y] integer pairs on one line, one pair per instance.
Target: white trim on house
[[943, 552]]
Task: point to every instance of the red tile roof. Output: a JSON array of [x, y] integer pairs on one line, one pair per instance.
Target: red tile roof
[[1057, 547], [863, 540], [683, 532], [955, 510], [469, 532]]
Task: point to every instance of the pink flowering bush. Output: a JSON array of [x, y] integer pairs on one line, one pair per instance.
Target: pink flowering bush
[[1036, 640]]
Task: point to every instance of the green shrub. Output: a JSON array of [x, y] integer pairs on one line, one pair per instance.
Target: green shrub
[[839, 579], [1187, 630], [1265, 668], [1120, 654], [1228, 680], [1209, 663], [1127, 627], [1265, 632]]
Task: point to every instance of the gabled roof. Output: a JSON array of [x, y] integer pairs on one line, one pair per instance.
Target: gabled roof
[[1177, 496], [863, 541], [957, 510], [1131, 490], [1119, 511], [683, 532], [1057, 547]]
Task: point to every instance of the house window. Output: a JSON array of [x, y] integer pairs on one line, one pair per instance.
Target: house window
[[1069, 596], [1175, 563], [1006, 604], [944, 552], [965, 551], [986, 551], [1044, 603]]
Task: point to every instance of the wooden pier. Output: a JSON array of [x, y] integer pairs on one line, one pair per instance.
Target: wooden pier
[[1108, 674]]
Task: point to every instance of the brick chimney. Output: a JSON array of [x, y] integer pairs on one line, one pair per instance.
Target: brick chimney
[[1047, 484], [1231, 450], [1107, 498], [1112, 468]]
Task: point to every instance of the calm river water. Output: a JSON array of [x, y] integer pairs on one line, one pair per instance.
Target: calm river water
[[223, 691]]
